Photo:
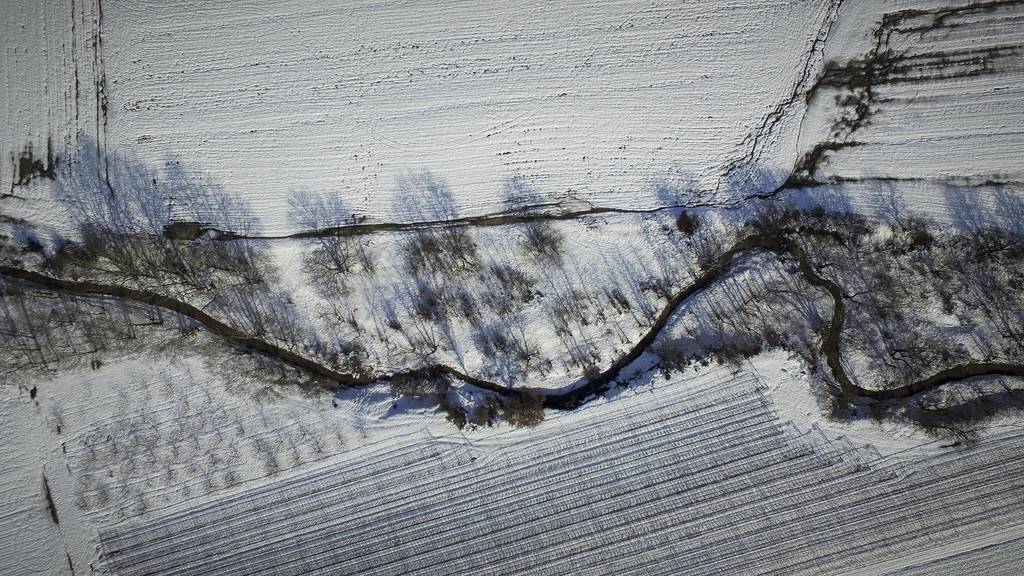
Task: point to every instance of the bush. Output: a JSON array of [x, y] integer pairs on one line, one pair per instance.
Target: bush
[[523, 409], [352, 356], [485, 414], [734, 354], [617, 300], [514, 282], [465, 305], [428, 303], [450, 250], [673, 356], [455, 415], [543, 242], [492, 341], [688, 223], [591, 373], [418, 386], [772, 216]]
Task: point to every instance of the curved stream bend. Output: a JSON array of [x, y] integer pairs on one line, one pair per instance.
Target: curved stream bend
[[562, 399]]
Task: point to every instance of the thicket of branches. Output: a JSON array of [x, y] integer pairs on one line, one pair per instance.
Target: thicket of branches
[[918, 297]]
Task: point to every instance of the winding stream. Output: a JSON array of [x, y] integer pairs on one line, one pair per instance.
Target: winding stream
[[576, 396]]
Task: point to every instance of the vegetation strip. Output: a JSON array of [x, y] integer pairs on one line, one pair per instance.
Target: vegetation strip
[[776, 242], [533, 213]]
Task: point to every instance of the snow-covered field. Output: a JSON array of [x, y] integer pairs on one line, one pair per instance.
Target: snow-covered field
[[176, 464], [696, 476], [596, 101]]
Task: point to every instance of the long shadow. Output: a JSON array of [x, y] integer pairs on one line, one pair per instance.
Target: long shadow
[[141, 204]]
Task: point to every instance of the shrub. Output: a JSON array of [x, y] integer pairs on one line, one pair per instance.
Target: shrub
[[414, 386], [486, 414], [543, 242], [688, 223], [514, 282], [466, 305], [428, 303], [513, 289], [591, 373], [617, 300], [492, 340], [673, 356], [659, 286], [707, 249], [455, 415], [450, 250], [772, 216], [351, 356], [734, 354], [523, 409]]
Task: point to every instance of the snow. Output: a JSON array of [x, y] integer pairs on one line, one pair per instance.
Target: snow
[[787, 386], [693, 475], [31, 542], [589, 103], [995, 553], [599, 101], [769, 391], [955, 112]]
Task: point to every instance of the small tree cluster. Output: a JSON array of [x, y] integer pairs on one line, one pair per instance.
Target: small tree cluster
[[510, 288]]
